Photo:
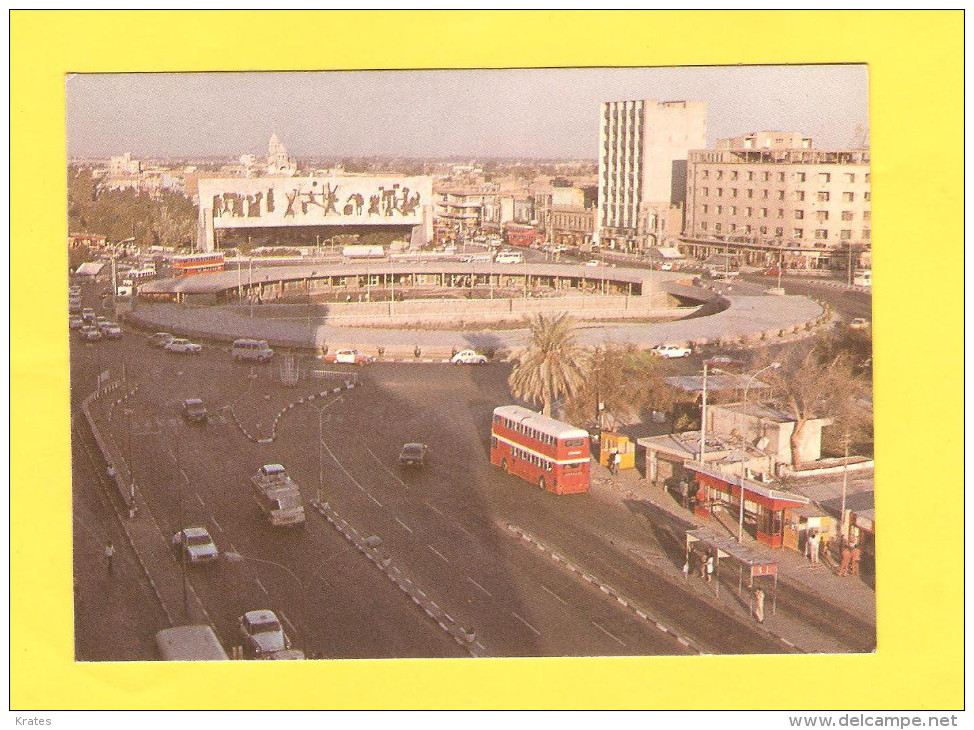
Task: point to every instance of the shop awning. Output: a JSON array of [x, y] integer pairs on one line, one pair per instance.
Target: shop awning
[[773, 498]]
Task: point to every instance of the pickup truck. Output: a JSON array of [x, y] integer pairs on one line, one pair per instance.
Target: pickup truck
[[278, 496]]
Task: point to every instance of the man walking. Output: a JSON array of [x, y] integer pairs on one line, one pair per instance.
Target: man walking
[[846, 559], [759, 605], [110, 557]]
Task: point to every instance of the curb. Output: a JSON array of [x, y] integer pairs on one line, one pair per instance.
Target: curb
[[348, 385]]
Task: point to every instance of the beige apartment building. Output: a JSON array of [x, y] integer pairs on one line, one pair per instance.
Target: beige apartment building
[[642, 169], [772, 200]]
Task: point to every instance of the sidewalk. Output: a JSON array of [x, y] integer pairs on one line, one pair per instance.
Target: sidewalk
[[814, 591]]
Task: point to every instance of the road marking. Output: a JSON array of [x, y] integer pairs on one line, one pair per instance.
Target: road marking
[[406, 527], [607, 632], [200, 499], [526, 623], [342, 467], [434, 509], [555, 594], [374, 499], [437, 552], [213, 520], [479, 586], [286, 620], [257, 581], [388, 471]]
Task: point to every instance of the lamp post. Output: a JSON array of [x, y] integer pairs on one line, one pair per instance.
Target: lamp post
[[128, 424], [843, 523], [740, 524], [182, 521]]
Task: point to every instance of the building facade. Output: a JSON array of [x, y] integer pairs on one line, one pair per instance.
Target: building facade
[[642, 169], [773, 200]]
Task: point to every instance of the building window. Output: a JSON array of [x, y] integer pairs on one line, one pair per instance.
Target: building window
[[823, 196], [747, 230], [749, 212], [716, 227], [720, 192], [847, 215], [779, 232], [733, 175], [750, 193], [821, 215], [800, 195], [704, 192], [821, 234], [850, 177], [824, 177], [764, 230], [705, 175], [867, 177], [750, 176], [733, 192], [865, 234], [765, 176], [718, 209], [867, 215], [781, 177], [796, 233], [764, 212], [703, 209], [781, 212], [799, 214], [845, 234], [733, 227], [703, 225], [720, 174], [733, 209], [866, 196], [781, 195], [800, 176], [765, 194], [848, 197]]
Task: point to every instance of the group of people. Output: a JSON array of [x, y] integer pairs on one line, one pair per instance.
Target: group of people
[[851, 555], [706, 565]]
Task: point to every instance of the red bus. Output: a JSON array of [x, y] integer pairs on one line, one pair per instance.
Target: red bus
[[197, 263], [540, 450]]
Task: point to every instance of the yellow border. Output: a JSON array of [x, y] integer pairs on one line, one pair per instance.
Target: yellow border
[[916, 74]]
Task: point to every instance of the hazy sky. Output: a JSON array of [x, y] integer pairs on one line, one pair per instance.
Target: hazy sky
[[504, 113]]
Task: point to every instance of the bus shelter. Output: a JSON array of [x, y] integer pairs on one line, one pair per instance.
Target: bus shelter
[[748, 561]]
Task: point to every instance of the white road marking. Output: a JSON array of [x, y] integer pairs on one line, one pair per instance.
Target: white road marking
[[526, 623], [479, 586], [406, 527], [374, 499], [555, 594], [438, 553], [342, 467], [434, 509], [257, 581], [213, 520], [387, 470], [607, 632], [200, 499], [286, 620]]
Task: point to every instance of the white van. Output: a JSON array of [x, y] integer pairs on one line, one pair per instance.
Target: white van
[[509, 257], [251, 350]]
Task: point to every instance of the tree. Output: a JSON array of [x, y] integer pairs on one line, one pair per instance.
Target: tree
[[551, 366], [816, 382], [623, 380]]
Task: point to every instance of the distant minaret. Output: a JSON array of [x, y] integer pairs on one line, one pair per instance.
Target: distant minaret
[[278, 162]]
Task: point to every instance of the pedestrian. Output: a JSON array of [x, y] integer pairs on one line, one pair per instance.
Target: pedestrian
[[702, 557], [813, 547], [684, 488], [846, 558], [855, 557], [110, 557], [710, 566], [759, 605], [616, 461]]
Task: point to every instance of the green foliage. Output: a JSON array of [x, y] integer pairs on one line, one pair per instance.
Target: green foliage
[[551, 366]]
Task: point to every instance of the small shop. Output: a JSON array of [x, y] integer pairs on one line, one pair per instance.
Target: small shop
[[764, 506], [802, 521], [705, 550]]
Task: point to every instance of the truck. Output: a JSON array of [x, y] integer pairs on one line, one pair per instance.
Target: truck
[[278, 497]]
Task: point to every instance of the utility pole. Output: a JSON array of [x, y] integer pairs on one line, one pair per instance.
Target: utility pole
[[703, 417]]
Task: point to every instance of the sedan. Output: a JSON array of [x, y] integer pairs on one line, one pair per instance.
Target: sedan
[[468, 357], [160, 339], [349, 357], [112, 331], [413, 455], [75, 322], [194, 411], [263, 634], [182, 346], [670, 351], [90, 333], [195, 545]]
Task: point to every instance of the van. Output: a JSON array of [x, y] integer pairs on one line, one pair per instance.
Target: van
[[251, 350], [190, 644], [509, 257]]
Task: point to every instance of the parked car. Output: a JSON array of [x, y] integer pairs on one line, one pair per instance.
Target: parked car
[[160, 339], [594, 262], [349, 357], [75, 322], [413, 455], [112, 331], [90, 333], [263, 634], [194, 411], [101, 321], [666, 267], [670, 351], [468, 357], [88, 315], [183, 346], [859, 323], [251, 350], [195, 545]]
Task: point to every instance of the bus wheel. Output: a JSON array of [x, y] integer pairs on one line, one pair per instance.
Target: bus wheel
[[541, 483], [504, 466]]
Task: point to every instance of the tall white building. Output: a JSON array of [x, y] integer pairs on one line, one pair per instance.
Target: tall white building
[[278, 162], [642, 169]]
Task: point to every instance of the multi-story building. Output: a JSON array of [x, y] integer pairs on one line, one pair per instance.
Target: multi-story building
[[278, 161], [124, 165], [573, 213], [772, 200], [642, 167]]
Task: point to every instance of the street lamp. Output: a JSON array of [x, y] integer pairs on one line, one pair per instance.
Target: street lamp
[[128, 423], [740, 524]]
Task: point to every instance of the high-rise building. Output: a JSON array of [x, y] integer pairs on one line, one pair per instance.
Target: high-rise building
[[770, 199], [642, 169]]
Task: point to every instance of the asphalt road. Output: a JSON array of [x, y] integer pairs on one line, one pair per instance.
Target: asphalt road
[[447, 526]]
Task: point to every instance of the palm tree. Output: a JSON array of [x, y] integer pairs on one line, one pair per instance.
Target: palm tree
[[551, 365]]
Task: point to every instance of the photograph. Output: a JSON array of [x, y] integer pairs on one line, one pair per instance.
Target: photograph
[[557, 374]]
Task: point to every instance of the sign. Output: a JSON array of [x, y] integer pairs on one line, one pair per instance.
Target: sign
[[759, 570]]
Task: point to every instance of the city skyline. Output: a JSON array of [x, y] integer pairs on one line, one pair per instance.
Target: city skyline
[[479, 113]]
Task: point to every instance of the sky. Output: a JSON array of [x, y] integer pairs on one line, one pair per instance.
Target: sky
[[541, 113]]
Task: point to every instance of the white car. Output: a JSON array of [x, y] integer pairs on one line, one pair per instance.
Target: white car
[[859, 323], [669, 351], [468, 357], [196, 545], [183, 346], [349, 357], [666, 267], [594, 262], [263, 634]]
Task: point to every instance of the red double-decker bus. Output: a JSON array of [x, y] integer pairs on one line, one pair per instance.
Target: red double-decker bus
[[197, 263], [540, 450]]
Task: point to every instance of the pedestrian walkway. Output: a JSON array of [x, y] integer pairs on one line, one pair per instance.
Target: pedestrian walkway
[[814, 591]]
